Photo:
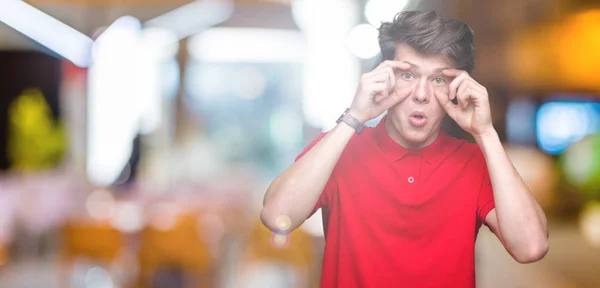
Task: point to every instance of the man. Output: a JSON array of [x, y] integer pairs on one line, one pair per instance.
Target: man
[[402, 202]]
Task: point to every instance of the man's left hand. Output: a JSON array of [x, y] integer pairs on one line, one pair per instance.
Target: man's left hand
[[472, 113]]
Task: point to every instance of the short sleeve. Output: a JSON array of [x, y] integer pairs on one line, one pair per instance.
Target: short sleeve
[[329, 187], [486, 203]]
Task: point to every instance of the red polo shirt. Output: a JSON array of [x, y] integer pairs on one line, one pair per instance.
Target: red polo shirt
[[403, 218]]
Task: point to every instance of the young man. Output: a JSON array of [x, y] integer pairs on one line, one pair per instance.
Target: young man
[[402, 202]]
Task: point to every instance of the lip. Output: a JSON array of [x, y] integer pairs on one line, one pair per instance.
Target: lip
[[417, 118]]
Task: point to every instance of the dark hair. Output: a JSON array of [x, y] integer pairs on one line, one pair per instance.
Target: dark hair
[[430, 34]]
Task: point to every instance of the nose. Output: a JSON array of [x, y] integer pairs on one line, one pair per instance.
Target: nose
[[422, 92]]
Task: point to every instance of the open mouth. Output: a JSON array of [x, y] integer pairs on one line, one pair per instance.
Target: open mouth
[[418, 118], [418, 115]]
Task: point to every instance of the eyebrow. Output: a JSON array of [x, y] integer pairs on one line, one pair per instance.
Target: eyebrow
[[417, 66]]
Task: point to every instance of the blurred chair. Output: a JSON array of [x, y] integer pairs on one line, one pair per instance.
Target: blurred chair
[[3, 255], [289, 256], [179, 247], [95, 241]]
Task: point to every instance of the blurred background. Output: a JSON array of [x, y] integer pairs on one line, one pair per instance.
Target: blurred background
[[137, 137]]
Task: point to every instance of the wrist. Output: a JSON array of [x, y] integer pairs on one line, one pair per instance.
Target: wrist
[[490, 136], [358, 116], [345, 128], [351, 121]]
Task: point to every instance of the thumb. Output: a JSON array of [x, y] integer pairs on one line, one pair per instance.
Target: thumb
[[395, 98]]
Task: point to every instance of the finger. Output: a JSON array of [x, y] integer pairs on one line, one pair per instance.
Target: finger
[[463, 73], [379, 90], [393, 64], [401, 65], [390, 66], [444, 100], [454, 72], [456, 82], [380, 95], [385, 75], [473, 91], [392, 76], [395, 98], [377, 77], [462, 94], [476, 87]]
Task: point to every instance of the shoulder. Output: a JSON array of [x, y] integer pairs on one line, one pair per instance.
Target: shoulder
[[365, 140], [362, 138], [356, 142], [462, 149]]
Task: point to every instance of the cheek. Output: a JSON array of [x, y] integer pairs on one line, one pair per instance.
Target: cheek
[[399, 108], [402, 83], [437, 111], [443, 89]]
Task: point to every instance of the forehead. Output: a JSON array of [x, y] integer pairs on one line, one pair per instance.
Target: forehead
[[426, 63]]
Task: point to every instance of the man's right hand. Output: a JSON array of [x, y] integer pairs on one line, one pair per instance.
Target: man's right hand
[[294, 195], [378, 91]]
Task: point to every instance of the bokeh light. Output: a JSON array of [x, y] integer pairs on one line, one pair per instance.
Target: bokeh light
[[250, 83], [589, 223], [377, 11], [98, 277], [280, 240], [163, 215], [128, 217], [286, 128], [159, 44], [211, 227], [100, 204], [520, 121], [581, 165], [562, 123], [362, 41], [283, 223]]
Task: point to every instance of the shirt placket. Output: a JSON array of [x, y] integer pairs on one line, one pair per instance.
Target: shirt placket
[[412, 172]]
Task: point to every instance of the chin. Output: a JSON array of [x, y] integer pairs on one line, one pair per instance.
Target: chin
[[417, 137], [414, 137]]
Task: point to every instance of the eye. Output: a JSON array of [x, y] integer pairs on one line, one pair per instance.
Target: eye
[[439, 81], [407, 76]]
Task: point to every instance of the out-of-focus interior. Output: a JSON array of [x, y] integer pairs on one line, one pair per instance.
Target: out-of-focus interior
[[137, 137]]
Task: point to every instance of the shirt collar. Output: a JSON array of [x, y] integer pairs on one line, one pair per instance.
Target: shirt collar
[[432, 153]]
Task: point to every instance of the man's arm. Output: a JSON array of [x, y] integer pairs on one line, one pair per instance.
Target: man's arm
[[293, 195], [518, 220]]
